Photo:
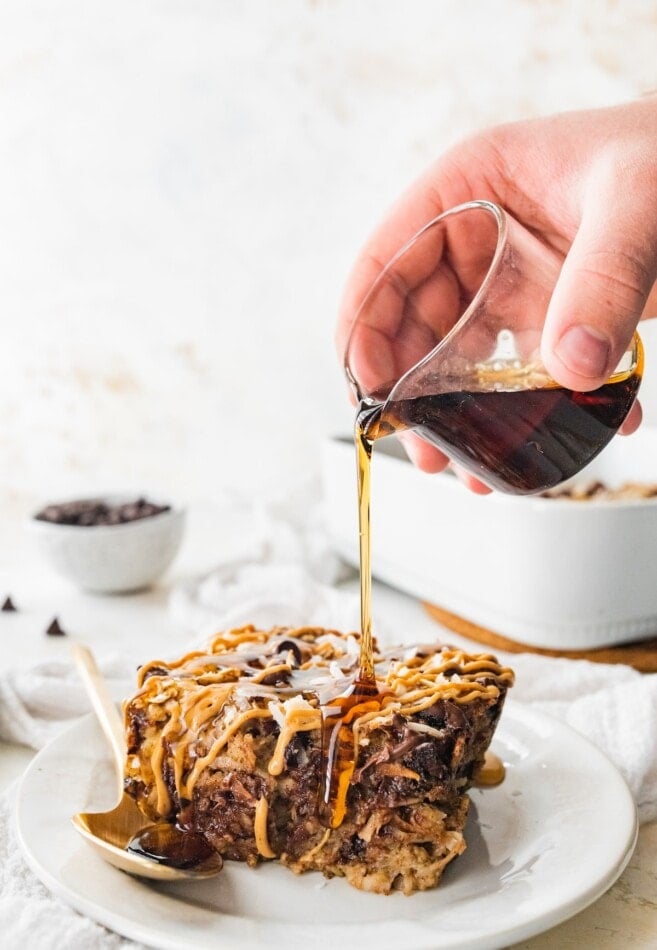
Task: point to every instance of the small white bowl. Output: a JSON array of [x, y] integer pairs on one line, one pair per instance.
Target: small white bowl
[[112, 558]]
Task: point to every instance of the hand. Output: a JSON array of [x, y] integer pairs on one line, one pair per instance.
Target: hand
[[586, 184]]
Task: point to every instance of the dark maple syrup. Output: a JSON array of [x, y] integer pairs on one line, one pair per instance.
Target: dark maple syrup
[[166, 843], [339, 752], [520, 440]]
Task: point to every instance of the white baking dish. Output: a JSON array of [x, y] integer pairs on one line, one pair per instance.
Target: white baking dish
[[550, 573]]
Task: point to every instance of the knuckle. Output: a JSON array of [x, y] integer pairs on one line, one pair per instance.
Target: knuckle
[[619, 277]]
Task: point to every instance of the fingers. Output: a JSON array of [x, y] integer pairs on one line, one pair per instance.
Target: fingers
[[429, 459], [471, 482], [426, 457], [633, 420], [605, 281]]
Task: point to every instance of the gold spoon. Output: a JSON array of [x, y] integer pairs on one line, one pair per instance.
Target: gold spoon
[[110, 832]]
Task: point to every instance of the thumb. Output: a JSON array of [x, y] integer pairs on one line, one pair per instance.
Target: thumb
[[601, 291]]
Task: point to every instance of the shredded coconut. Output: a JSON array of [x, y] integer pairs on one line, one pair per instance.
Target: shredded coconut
[[336, 670], [423, 727]]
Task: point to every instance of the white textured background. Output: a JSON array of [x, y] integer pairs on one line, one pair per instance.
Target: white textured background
[[183, 186]]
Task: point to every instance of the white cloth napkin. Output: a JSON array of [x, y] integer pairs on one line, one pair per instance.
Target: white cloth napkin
[[278, 569], [31, 918], [35, 704]]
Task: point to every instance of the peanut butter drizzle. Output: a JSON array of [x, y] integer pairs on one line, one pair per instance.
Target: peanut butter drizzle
[[260, 829], [491, 773], [200, 717], [301, 721]]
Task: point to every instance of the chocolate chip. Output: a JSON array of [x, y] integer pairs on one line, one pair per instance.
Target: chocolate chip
[[9, 606], [94, 513], [287, 645], [279, 679], [54, 630]]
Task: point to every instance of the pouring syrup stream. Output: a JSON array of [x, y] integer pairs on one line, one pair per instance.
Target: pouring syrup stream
[[339, 748]]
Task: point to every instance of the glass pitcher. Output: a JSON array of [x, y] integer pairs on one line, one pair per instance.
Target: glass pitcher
[[447, 343]]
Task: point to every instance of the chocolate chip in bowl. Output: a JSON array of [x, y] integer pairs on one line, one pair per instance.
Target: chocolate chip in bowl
[[109, 543], [94, 512]]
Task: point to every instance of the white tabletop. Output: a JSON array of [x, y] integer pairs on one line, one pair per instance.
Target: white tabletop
[[139, 626]]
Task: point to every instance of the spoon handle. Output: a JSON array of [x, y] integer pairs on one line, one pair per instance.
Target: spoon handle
[[102, 702]]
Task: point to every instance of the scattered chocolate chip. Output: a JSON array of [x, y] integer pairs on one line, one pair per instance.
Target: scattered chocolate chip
[[54, 630], [9, 607], [287, 645], [94, 513]]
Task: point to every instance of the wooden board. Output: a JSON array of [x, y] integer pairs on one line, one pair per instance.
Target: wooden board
[[641, 655]]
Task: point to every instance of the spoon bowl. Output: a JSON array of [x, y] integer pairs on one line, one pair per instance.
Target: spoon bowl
[[111, 833]]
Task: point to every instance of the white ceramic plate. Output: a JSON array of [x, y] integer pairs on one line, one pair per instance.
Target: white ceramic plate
[[542, 846]]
